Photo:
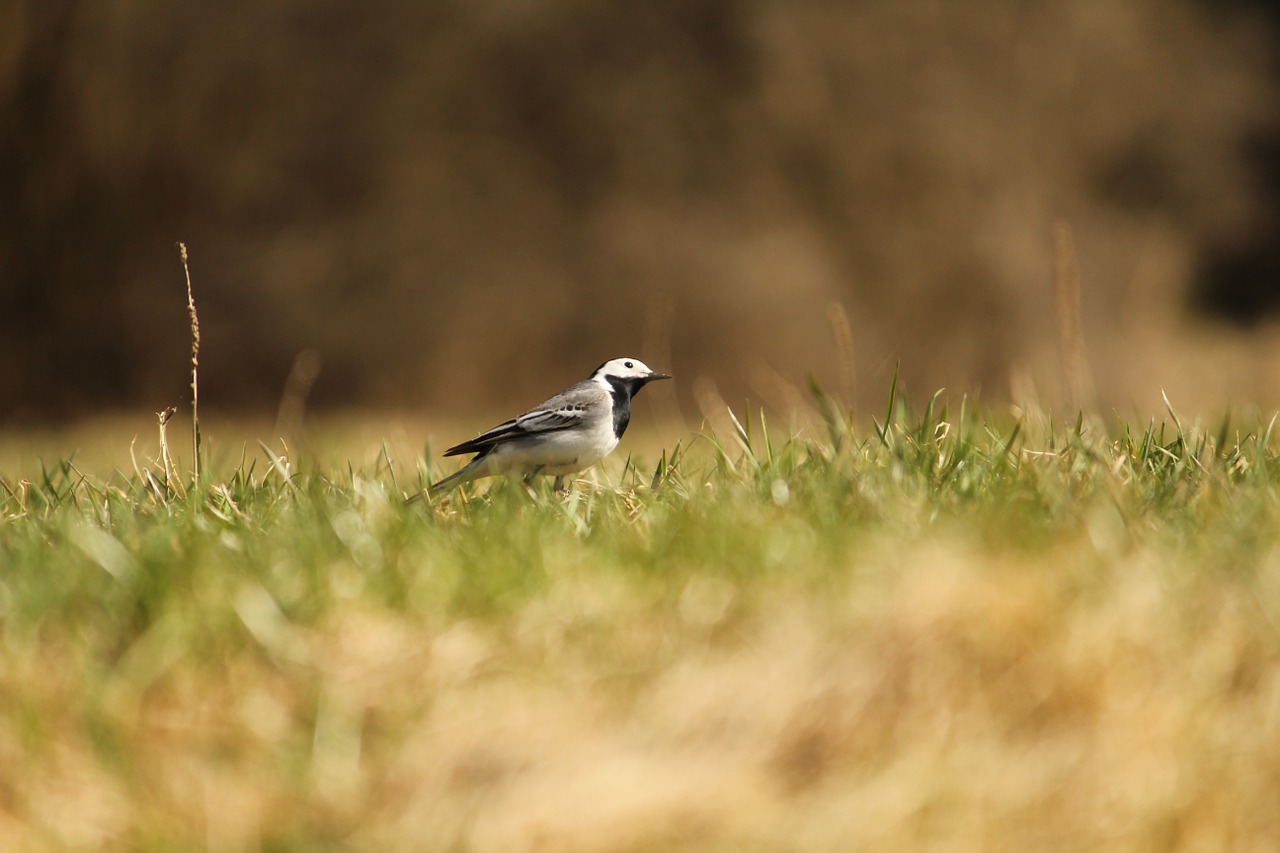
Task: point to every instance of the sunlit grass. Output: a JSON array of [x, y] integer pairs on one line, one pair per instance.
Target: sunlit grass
[[944, 630]]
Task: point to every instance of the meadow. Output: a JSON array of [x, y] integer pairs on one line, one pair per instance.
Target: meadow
[[941, 629]]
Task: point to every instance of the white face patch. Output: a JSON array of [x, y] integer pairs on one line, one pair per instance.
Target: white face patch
[[624, 368]]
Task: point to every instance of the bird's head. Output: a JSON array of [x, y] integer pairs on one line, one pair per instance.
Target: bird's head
[[629, 371]]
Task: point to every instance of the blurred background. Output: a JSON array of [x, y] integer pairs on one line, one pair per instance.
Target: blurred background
[[458, 204]]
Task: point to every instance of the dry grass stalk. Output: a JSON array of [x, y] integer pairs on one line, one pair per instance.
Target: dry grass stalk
[[1066, 291], [195, 366], [170, 476], [297, 387], [658, 324], [780, 393], [715, 410], [842, 333]]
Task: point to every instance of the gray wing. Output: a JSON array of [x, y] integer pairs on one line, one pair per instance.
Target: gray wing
[[566, 410]]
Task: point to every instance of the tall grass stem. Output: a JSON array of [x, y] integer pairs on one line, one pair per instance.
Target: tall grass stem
[[195, 366], [1066, 291]]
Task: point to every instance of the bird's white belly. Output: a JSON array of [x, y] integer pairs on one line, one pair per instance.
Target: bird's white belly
[[557, 453]]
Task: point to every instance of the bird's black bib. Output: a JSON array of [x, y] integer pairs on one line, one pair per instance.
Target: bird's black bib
[[622, 391]]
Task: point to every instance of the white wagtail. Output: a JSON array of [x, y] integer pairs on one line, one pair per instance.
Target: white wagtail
[[572, 431]]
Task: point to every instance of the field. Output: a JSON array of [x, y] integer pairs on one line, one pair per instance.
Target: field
[[944, 629]]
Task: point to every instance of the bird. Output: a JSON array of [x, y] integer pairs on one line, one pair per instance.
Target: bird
[[566, 434]]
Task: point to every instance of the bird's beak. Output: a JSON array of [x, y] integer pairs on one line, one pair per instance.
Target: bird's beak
[[652, 376]]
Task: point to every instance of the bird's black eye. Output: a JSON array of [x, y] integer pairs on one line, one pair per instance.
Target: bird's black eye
[[627, 364]]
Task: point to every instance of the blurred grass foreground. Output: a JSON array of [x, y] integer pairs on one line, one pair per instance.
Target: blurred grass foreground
[[944, 632]]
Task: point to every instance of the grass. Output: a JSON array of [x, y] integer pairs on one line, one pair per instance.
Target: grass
[[946, 630]]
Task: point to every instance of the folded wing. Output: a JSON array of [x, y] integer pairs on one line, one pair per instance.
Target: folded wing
[[540, 420]]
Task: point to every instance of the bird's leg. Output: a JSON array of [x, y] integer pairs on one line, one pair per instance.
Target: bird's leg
[[527, 481], [559, 485]]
